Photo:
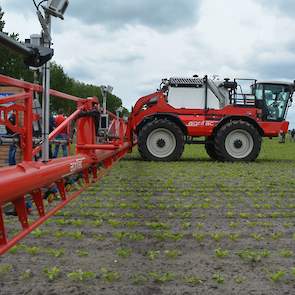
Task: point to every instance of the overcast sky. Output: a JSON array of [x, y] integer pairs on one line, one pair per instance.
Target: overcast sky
[[133, 44]]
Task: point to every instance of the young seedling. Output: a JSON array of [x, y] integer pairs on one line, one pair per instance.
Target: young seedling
[[230, 214], [128, 215], [162, 278], [172, 253], [97, 222], [277, 236], [277, 276], [256, 236], [253, 256], [82, 253], [33, 250], [239, 279], [27, 274], [115, 223], [234, 237], [77, 222], [288, 225], [192, 280], [186, 225], [286, 253], [200, 225], [199, 237], [135, 236], [153, 254], [99, 237], [5, 268], [139, 279], [221, 253], [157, 225], [16, 249], [81, 276], [218, 278], [52, 273], [245, 215], [60, 234], [131, 224], [56, 252], [168, 235], [77, 235], [109, 276], [124, 252], [217, 236], [60, 221], [233, 224], [38, 233]]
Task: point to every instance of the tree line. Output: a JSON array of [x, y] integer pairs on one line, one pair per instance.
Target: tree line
[[11, 64]]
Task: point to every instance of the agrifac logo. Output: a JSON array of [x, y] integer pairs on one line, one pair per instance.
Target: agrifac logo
[[201, 124], [77, 165]]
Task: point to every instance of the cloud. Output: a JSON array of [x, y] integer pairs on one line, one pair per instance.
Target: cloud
[[133, 44], [285, 7], [24, 7], [159, 15], [114, 14]]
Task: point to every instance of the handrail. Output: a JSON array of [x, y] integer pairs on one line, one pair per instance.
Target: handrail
[[9, 81]]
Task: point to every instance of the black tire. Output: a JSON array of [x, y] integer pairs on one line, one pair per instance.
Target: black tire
[[210, 149], [162, 124], [251, 136]]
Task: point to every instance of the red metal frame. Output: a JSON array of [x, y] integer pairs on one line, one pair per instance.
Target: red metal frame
[[201, 122], [29, 178]]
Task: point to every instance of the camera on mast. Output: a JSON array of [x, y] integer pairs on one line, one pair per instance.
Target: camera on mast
[[56, 8]]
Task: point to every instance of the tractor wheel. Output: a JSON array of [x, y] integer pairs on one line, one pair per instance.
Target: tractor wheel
[[161, 140], [210, 149], [238, 141]]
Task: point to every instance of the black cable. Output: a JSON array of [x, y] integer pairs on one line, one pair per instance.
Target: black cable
[[41, 3], [35, 4]]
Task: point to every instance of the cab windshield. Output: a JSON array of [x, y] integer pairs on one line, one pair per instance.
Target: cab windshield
[[275, 100]]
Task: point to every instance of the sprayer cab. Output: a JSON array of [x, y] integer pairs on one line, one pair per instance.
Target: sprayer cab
[[274, 99]]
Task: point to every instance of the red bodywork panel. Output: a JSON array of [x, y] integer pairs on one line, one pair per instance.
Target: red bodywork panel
[[201, 122]]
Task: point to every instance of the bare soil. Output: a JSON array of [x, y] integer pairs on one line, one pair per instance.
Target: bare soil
[[190, 227]]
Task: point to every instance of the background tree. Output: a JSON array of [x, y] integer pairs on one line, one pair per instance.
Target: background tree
[[2, 22], [12, 65]]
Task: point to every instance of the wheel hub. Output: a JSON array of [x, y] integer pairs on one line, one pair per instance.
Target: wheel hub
[[238, 144], [161, 143]]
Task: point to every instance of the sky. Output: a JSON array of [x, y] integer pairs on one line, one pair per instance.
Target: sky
[[133, 44]]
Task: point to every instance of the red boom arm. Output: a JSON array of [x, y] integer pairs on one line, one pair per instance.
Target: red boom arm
[[30, 178]]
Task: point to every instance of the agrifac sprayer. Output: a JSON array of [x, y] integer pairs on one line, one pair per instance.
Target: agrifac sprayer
[[231, 121]]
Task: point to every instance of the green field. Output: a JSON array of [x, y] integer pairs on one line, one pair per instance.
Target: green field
[[189, 227]]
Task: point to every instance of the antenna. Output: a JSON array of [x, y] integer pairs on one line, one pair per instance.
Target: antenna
[[55, 8]]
